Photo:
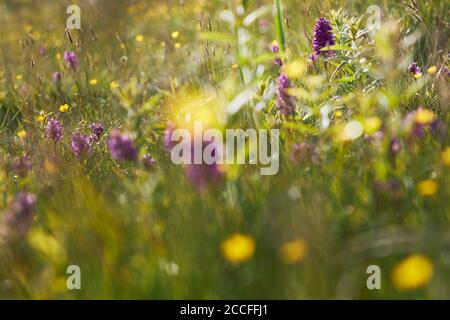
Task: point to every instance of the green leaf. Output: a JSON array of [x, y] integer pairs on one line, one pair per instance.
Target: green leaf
[[279, 24]]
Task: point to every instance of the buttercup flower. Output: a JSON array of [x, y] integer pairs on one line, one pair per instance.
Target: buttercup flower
[[412, 273], [81, 145], [54, 130], [71, 59], [323, 36], [238, 248], [121, 146], [64, 108], [293, 251]]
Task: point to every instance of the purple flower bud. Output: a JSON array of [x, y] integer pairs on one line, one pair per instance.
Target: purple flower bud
[[81, 145], [57, 76], [395, 146], [148, 161], [323, 36], [275, 48], [97, 129], [285, 102], [278, 61], [121, 146], [71, 59], [19, 215], [414, 68], [54, 130], [22, 166], [168, 144]]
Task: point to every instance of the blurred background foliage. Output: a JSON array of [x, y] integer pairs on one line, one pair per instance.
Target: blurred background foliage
[[343, 200]]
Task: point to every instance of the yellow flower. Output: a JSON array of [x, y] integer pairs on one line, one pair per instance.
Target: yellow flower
[[427, 188], [122, 45], [40, 117], [175, 34], [372, 124], [50, 167], [294, 251], [177, 45], [238, 248], [234, 66], [113, 85], [139, 38], [163, 44], [418, 75], [424, 116], [93, 82], [58, 56], [22, 134], [19, 77], [413, 272], [432, 70], [295, 69], [445, 156], [64, 108]]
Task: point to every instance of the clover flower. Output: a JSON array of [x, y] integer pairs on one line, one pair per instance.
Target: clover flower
[[81, 145], [121, 146], [54, 130], [71, 58], [323, 37]]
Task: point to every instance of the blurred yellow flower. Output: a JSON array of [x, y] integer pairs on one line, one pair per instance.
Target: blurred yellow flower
[[175, 34], [64, 108], [372, 124], [418, 75], [294, 251], [58, 56], [139, 38], [295, 69], [50, 167], [114, 85], [427, 187], [413, 272], [177, 45], [234, 66], [238, 248], [22, 134], [122, 45], [445, 156], [163, 44], [424, 116], [432, 70], [40, 117], [93, 82], [19, 77]]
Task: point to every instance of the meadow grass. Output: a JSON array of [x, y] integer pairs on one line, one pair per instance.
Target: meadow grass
[[342, 200]]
